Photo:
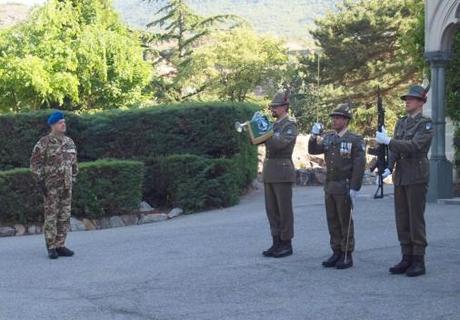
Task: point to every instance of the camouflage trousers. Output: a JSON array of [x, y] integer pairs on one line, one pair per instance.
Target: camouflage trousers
[[57, 203]]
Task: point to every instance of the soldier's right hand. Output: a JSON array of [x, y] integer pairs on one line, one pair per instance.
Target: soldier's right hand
[[317, 128], [386, 173]]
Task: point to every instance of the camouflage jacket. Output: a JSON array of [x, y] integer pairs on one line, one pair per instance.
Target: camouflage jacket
[[54, 161]]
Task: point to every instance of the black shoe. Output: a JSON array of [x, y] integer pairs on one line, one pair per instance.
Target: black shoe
[[283, 250], [52, 254], [403, 265], [417, 267], [269, 252], [345, 264], [64, 252], [332, 261]]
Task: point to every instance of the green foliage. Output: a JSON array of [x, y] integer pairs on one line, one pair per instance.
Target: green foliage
[[71, 54], [184, 29], [363, 46], [453, 84], [233, 63], [104, 188], [108, 187], [287, 19], [196, 128], [196, 183], [180, 145]]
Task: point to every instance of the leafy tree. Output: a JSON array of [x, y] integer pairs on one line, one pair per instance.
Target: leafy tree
[[73, 55], [235, 62], [364, 45], [181, 32]]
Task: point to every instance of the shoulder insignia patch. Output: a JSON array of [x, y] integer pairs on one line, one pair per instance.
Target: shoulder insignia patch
[[428, 125]]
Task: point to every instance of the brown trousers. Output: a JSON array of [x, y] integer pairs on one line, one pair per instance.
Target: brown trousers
[[338, 212], [410, 221], [278, 204]]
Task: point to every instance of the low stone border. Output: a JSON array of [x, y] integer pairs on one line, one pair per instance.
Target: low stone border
[[146, 216]]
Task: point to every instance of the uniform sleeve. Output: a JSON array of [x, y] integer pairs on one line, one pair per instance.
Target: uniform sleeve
[[37, 161], [420, 141], [359, 163], [315, 145], [393, 155], [278, 142], [75, 168]]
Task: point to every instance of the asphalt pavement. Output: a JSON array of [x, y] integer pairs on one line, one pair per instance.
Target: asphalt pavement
[[209, 266]]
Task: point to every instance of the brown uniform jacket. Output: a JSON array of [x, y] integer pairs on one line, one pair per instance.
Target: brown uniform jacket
[[345, 160], [278, 165], [409, 149]]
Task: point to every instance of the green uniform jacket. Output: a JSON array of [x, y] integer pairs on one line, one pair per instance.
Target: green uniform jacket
[[409, 149], [345, 160], [278, 165]]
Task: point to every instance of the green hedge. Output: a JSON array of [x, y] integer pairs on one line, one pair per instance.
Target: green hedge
[[180, 145], [195, 183], [204, 129], [103, 188]]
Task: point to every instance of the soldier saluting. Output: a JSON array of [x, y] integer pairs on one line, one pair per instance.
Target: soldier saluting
[[54, 165], [408, 156], [344, 153], [279, 176]]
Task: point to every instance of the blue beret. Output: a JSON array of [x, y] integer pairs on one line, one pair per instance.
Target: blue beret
[[55, 117]]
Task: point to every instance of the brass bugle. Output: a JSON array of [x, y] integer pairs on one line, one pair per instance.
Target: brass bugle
[[239, 127]]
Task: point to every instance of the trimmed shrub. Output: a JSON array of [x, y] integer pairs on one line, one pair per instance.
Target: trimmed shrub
[[195, 183], [204, 129], [178, 144], [108, 187], [214, 187], [103, 188]]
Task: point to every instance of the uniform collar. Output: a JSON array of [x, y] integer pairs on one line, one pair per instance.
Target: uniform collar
[[415, 115], [281, 119], [342, 133]]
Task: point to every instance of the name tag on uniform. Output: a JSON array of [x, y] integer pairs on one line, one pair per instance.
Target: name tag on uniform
[[71, 151]]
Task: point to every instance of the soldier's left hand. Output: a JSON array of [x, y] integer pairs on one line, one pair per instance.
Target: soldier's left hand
[[382, 137]]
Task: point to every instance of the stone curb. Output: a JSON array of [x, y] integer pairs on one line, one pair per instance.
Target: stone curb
[[86, 224]]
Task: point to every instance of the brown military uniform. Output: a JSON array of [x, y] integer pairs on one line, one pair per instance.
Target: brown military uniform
[[345, 161], [408, 156], [278, 176], [54, 165]]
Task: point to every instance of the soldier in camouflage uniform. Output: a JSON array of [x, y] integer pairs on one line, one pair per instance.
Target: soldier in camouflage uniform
[[408, 155], [279, 176], [54, 165], [344, 153]]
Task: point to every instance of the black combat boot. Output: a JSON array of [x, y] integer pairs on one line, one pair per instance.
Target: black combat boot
[[269, 252], [52, 254], [283, 250], [403, 265], [332, 261], [342, 264], [417, 267], [64, 252]]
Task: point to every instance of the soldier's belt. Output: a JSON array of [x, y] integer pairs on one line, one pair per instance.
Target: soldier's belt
[[414, 156], [337, 178], [278, 158]]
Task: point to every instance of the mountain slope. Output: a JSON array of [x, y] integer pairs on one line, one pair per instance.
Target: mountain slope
[[286, 18]]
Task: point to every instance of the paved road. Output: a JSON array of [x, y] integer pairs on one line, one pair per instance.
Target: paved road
[[209, 266]]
